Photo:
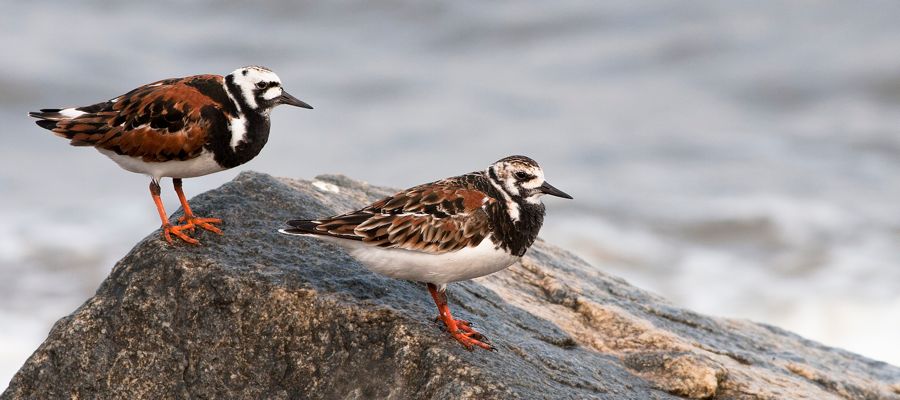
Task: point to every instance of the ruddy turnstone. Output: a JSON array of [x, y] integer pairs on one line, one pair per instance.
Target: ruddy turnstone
[[446, 231], [178, 128]]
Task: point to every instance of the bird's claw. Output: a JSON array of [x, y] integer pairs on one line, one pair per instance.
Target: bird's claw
[[471, 339], [168, 230], [466, 335], [205, 223]]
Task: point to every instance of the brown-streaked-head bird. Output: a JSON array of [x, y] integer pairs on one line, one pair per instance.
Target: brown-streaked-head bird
[[447, 231], [178, 128]]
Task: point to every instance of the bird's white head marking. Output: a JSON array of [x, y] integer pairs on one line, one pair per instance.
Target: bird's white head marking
[[520, 178], [259, 87]]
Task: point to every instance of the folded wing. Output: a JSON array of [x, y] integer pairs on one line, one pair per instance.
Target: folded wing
[[162, 121], [439, 217]]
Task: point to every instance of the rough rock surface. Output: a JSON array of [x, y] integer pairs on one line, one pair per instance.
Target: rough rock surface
[[254, 314]]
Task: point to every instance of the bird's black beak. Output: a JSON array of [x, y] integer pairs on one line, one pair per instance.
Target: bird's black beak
[[286, 98], [547, 188]]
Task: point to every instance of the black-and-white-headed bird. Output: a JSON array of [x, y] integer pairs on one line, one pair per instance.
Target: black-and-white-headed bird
[[178, 128], [447, 231]]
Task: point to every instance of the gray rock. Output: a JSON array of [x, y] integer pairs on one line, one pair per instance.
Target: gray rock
[[258, 315]]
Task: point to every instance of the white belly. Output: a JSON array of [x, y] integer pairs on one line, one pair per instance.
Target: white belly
[[203, 164], [440, 269]]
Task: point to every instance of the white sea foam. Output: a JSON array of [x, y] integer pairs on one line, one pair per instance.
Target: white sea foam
[[326, 187]]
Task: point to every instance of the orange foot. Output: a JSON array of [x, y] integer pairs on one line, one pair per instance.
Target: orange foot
[[466, 335], [205, 223], [168, 230]]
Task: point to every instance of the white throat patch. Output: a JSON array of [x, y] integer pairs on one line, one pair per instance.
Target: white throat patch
[[238, 128]]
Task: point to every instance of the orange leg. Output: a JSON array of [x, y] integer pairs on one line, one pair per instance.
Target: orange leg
[[460, 330], [169, 229], [189, 218]]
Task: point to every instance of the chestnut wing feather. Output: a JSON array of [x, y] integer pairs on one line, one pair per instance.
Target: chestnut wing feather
[[162, 121], [439, 217]]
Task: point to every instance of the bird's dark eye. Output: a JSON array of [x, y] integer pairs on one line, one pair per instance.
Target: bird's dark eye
[[522, 175], [262, 85]]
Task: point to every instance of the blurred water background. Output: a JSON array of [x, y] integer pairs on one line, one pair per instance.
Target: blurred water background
[[740, 158]]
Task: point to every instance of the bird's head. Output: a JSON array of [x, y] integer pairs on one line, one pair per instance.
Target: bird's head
[[521, 177], [260, 89]]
